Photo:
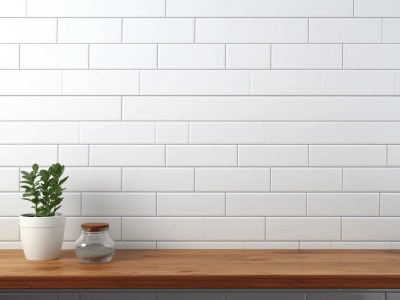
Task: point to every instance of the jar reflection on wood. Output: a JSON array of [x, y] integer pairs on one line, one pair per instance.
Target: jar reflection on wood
[[94, 245]]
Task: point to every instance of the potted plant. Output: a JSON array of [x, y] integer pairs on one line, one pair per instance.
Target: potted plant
[[42, 232]]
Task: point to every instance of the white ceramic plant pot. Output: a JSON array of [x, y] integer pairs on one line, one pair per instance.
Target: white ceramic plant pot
[[42, 237]]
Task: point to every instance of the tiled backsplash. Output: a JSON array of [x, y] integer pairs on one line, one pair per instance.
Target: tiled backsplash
[[207, 123]]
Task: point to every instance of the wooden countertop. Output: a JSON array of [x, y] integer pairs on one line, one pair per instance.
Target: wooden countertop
[[207, 269]]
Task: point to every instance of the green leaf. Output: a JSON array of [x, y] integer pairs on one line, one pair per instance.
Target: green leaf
[[35, 168]]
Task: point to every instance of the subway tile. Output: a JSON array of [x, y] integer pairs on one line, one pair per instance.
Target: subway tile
[[194, 82], [158, 30], [368, 56], [13, 205], [226, 133], [24, 30], [367, 133], [270, 295], [350, 156], [9, 179], [318, 82], [306, 179], [245, 30], [370, 229], [93, 179], [315, 245], [203, 295], [118, 204], [190, 204], [193, 229], [25, 155], [350, 30], [303, 56], [73, 224], [108, 155], [107, 56], [199, 245], [345, 296], [130, 8], [172, 133], [285, 82], [54, 56], [74, 155], [95, 8], [390, 204], [10, 229], [351, 82], [232, 179], [273, 155], [9, 55], [117, 133], [271, 245], [390, 30], [89, 30], [376, 8], [303, 229], [47, 108], [39, 133], [265, 204], [343, 204], [300, 133], [362, 245], [280, 108], [158, 179], [201, 156], [119, 296], [259, 8], [99, 82], [248, 56], [13, 8], [393, 296], [61, 8], [30, 82], [371, 179], [186, 56]]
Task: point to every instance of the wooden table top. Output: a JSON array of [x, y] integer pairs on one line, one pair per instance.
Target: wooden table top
[[225, 269]]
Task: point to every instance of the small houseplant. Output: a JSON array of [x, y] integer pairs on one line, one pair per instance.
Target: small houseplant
[[42, 232]]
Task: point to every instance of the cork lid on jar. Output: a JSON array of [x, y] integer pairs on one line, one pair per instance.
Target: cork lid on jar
[[94, 227]]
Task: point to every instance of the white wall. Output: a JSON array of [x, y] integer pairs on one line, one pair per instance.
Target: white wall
[[207, 123]]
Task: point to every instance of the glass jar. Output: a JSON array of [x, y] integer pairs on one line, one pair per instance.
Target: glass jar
[[94, 245]]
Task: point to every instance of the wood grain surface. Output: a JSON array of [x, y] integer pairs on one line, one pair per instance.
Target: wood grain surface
[[223, 269]]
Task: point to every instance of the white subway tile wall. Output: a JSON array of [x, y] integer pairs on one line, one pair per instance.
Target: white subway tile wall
[[207, 123]]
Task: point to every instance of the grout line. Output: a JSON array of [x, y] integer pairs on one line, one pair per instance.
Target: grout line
[[194, 31], [379, 203], [308, 30], [225, 204], [353, 8], [19, 56], [270, 56], [387, 154], [225, 58], [122, 30], [158, 58], [306, 204], [56, 30], [342, 56], [122, 107], [58, 153], [237, 155], [88, 56], [165, 8]]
